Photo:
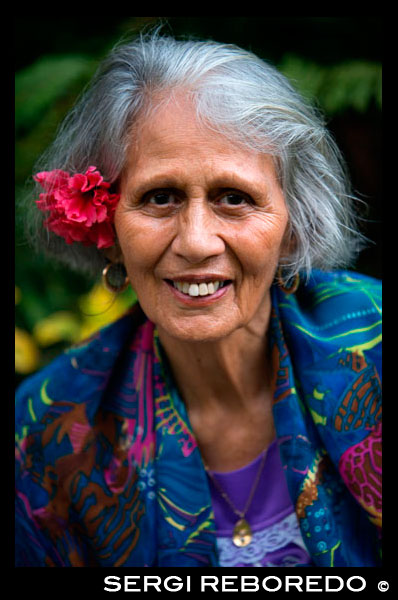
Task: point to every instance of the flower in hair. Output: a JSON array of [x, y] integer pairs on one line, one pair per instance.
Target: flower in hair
[[80, 207]]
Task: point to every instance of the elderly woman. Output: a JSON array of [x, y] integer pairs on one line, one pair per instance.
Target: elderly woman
[[233, 416]]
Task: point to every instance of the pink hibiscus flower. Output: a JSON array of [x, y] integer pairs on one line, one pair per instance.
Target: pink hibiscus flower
[[80, 207]]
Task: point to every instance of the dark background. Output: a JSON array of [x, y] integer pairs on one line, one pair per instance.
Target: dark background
[[334, 60]]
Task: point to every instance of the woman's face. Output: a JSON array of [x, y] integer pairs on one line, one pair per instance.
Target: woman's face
[[201, 224]]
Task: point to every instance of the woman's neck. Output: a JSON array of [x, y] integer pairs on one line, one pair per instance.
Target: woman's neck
[[226, 387], [231, 372]]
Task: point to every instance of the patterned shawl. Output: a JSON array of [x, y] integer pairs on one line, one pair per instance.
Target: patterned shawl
[[108, 470]]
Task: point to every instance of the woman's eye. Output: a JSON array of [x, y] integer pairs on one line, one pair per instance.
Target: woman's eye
[[161, 198], [233, 199]]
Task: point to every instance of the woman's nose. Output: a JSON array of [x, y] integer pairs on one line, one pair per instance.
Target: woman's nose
[[197, 237]]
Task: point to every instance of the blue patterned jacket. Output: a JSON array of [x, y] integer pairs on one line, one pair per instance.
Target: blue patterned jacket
[[108, 470]]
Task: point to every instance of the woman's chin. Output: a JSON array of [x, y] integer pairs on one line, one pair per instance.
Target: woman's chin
[[195, 330]]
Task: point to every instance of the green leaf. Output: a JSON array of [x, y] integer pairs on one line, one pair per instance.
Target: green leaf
[[40, 84], [349, 85]]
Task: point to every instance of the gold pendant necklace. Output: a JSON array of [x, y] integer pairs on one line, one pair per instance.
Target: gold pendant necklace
[[242, 534]]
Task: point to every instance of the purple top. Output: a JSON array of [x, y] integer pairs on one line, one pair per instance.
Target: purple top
[[277, 540]]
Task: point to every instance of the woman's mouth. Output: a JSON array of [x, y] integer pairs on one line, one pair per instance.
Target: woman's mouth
[[199, 290]]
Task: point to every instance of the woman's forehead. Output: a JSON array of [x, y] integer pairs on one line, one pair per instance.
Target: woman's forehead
[[172, 140]]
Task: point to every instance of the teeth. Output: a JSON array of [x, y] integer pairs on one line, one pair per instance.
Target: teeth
[[203, 291], [195, 289]]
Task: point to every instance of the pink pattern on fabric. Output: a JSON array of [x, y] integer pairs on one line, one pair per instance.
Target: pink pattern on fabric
[[143, 436], [361, 469], [77, 435], [23, 497], [167, 414], [112, 476]]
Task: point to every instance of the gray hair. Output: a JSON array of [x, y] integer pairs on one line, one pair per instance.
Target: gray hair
[[237, 94]]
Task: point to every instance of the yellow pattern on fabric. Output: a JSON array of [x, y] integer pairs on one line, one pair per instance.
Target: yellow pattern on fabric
[[344, 334], [366, 345], [31, 411], [318, 418], [165, 503], [204, 525], [43, 393]]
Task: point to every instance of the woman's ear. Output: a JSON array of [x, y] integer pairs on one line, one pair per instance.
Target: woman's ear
[[289, 244], [114, 253]]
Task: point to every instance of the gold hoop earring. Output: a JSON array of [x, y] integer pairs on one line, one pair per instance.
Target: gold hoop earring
[[111, 287], [290, 289]]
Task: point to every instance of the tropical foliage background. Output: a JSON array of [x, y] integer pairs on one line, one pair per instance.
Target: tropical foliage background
[[334, 60]]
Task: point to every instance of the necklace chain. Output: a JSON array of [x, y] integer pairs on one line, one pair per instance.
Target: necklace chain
[[239, 513]]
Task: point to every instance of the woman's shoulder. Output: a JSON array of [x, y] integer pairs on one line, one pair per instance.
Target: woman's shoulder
[[335, 311], [321, 284], [78, 375], [329, 298]]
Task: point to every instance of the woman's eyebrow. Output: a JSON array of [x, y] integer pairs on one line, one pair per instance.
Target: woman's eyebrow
[[151, 183], [227, 180]]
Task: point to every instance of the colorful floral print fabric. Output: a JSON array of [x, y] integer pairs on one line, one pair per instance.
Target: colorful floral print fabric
[[109, 472]]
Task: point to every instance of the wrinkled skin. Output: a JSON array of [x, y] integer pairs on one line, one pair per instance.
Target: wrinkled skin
[[194, 203]]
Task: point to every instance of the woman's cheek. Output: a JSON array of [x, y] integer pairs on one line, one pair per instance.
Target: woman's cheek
[[137, 240]]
